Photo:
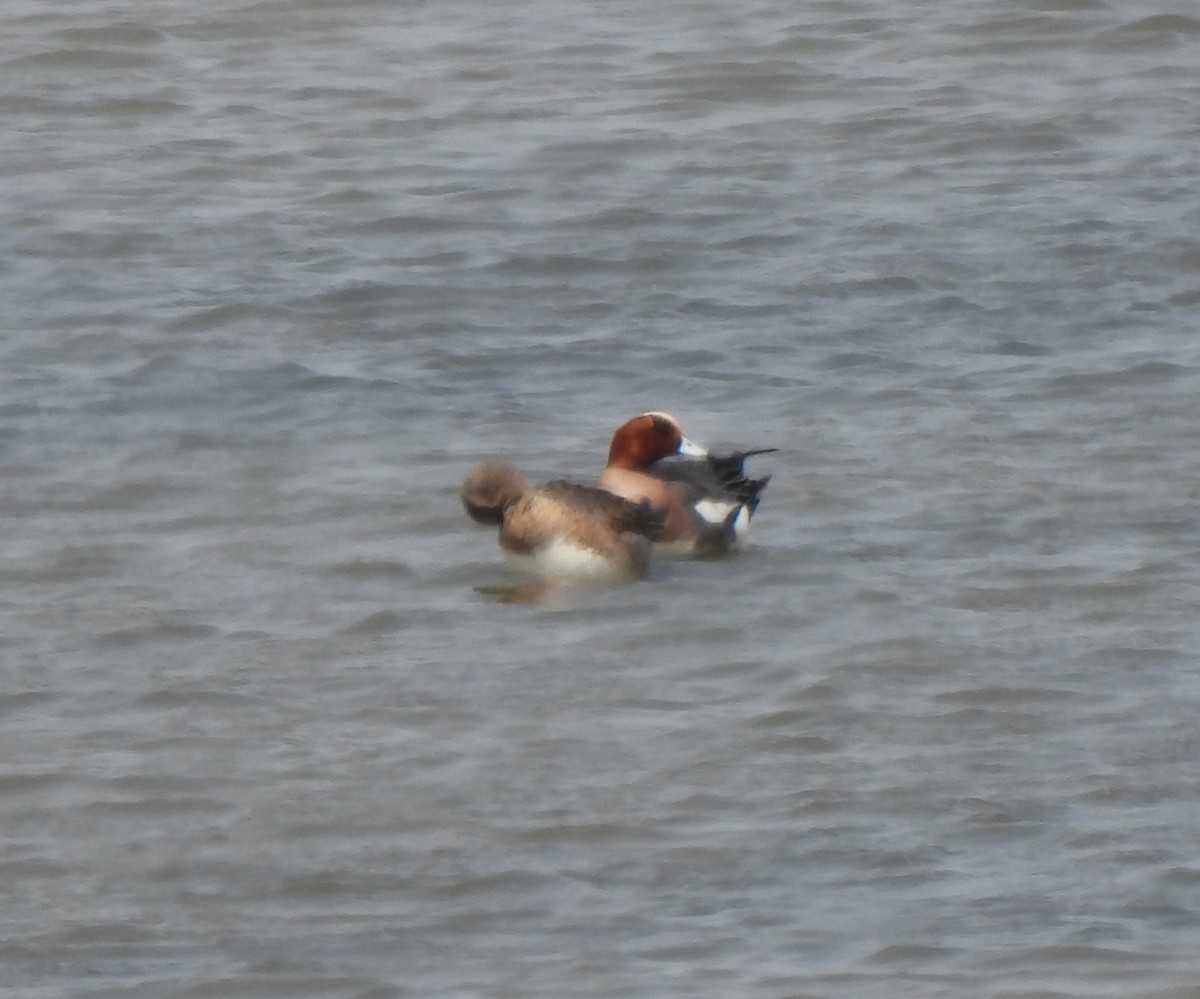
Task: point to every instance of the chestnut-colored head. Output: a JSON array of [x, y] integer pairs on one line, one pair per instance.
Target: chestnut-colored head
[[645, 439], [490, 490]]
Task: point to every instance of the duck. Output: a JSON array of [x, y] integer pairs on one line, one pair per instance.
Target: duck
[[562, 530], [707, 499]]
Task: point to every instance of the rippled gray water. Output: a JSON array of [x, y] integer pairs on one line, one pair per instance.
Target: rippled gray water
[[276, 275]]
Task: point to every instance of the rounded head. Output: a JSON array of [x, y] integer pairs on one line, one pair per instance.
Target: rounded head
[[645, 439], [490, 490]]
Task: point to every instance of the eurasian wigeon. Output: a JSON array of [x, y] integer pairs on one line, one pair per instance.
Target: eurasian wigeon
[[561, 530], [708, 499]]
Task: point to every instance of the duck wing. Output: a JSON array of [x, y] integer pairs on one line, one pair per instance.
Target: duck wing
[[714, 476], [600, 505]]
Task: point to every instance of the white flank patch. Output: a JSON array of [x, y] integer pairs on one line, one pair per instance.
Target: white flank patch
[[741, 523], [561, 559], [716, 511]]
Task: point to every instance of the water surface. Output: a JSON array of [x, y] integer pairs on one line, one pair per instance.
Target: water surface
[[276, 275]]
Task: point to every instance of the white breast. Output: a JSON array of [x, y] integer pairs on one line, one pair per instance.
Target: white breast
[[561, 559]]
